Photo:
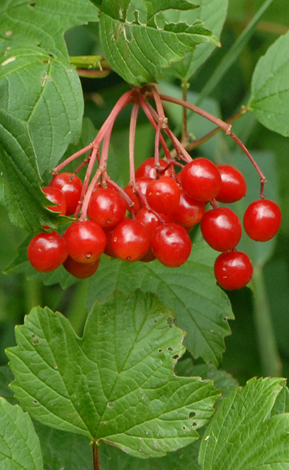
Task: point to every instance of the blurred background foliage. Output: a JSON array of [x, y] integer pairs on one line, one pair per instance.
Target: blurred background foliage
[[271, 287]]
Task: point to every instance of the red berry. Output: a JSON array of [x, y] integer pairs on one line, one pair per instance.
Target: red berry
[[233, 186], [108, 247], [142, 183], [221, 228], [147, 168], [233, 270], [80, 270], [85, 241], [106, 207], [262, 220], [201, 179], [171, 245], [189, 212], [163, 194], [130, 240], [56, 196], [71, 186], [47, 251], [149, 219]]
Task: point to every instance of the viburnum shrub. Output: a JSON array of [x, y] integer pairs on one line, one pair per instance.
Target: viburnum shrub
[[149, 221]]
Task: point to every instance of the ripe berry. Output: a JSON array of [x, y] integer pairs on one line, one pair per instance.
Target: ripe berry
[[130, 240], [149, 219], [80, 270], [233, 270], [171, 245], [85, 241], [106, 207], [47, 251], [56, 196], [142, 183], [147, 168], [221, 228], [233, 186], [201, 179], [163, 194], [71, 186], [189, 212], [262, 220]]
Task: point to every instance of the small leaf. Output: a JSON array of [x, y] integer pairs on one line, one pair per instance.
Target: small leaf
[[240, 435], [137, 48], [200, 306], [117, 383], [43, 22], [270, 88], [19, 444]]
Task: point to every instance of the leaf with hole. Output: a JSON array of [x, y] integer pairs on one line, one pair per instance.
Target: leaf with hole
[[122, 392]]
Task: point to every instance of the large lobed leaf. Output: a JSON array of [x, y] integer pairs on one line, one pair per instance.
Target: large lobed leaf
[[270, 88], [240, 435], [139, 42], [200, 306], [42, 23], [116, 384]]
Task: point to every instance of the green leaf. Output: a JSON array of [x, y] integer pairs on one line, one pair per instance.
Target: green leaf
[[223, 381], [138, 41], [6, 378], [213, 14], [240, 435], [117, 383], [20, 191], [200, 306], [42, 23], [44, 93], [270, 88], [19, 444]]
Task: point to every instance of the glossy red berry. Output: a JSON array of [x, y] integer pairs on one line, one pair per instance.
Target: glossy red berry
[[189, 212], [233, 186], [80, 270], [262, 220], [201, 179], [56, 196], [71, 187], [85, 241], [171, 245], [163, 194], [149, 219], [233, 270], [47, 251], [106, 207], [130, 240], [221, 228], [148, 169], [142, 183], [108, 247]]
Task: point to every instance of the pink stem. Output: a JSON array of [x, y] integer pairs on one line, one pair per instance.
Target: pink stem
[[71, 158], [132, 129]]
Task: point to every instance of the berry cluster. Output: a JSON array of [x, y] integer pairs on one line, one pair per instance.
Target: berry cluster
[[163, 206]]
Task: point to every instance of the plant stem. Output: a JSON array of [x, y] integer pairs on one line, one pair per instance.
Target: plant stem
[[202, 140], [270, 360], [95, 450], [185, 86], [132, 130]]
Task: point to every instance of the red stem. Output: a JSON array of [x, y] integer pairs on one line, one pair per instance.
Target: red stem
[[71, 158], [95, 451], [132, 129]]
